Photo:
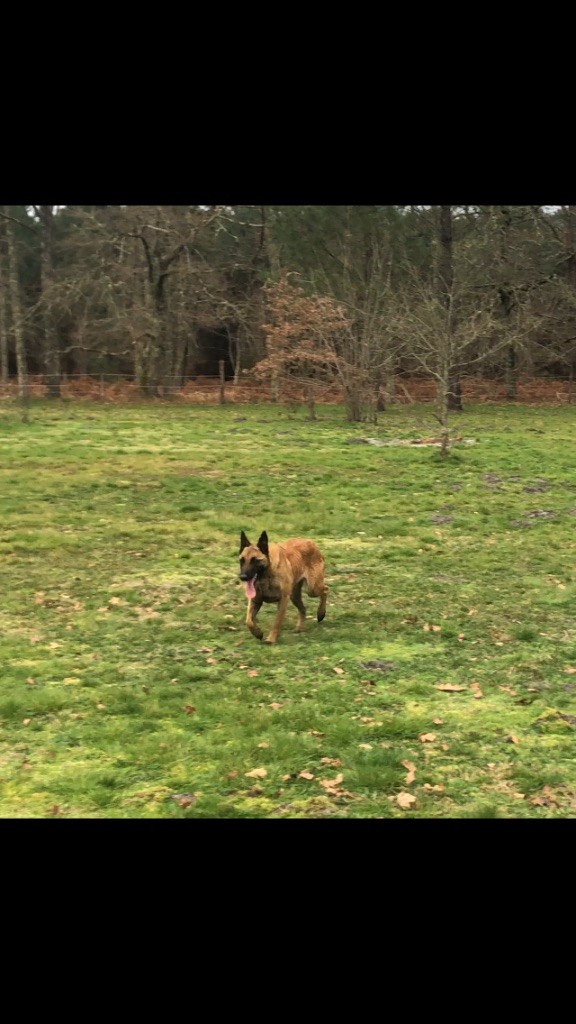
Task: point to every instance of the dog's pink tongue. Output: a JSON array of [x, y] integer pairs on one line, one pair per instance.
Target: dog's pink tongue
[[250, 589]]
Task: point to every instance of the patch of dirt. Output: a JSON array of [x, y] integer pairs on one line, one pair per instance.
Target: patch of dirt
[[376, 665], [415, 442]]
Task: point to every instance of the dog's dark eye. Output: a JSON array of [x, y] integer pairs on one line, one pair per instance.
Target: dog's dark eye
[[252, 560]]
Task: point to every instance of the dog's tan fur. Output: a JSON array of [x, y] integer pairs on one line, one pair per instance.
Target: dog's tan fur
[[282, 570]]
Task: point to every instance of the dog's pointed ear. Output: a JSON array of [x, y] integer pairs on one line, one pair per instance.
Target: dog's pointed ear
[[263, 543], [244, 542]]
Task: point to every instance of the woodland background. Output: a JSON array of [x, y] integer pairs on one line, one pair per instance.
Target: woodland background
[[355, 300]]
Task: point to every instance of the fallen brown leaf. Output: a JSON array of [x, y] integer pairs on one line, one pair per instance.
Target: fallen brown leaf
[[339, 671], [275, 705], [508, 689], [405, 800], [427, 737], [253, 672], [189, 709], [256, 773], [26, 721], [570, 670], [365, 746], [211, 661], [512, 739], [333, 761], [332, 784], [475, 687], [437, 721], [411, 772], [438, 788], [305, 775], [449, 687], [263, 745]]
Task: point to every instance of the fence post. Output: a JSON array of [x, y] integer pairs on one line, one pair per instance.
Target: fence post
[[222, 380]]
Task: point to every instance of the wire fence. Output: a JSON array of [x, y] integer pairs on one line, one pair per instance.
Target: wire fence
[[115, 387]]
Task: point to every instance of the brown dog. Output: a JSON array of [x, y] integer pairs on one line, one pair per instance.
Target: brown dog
[[275, 574]]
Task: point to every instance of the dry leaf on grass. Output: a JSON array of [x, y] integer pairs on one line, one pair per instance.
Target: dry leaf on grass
[[477, 692], [508, 689], [189, 709], [253, 673], [365, 746], [332, 783], [411, 772], [339, 671], [437, 721], [449, 687], [545, 798], [427, 737], [275, 705], [512, 739], [256, 773], [305, 775], [333, 761], [438, 788], [570, 670], [405, 800], [26, 721], [210, 661]]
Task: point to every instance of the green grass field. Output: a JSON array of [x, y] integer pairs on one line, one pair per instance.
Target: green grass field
[[130, 686]]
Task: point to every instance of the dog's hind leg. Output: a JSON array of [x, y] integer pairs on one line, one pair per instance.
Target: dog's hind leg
[[317, 588], [296, 598], [254, 606]]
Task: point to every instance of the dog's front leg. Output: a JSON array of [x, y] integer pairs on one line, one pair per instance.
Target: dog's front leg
[[282, 605], [254, 606]]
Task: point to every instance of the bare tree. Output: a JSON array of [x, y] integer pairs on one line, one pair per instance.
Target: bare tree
[[3, 306], [16, 308], [446, 335], [46, 215]]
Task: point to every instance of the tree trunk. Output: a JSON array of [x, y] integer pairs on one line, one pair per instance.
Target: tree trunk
[[3, 313], [51, 348], [511, 373], [506, 297], [445, 287], [14, 293]]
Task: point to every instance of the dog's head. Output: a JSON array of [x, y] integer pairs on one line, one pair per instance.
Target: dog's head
[[253, 557]]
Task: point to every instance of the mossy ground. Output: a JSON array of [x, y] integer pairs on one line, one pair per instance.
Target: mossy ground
[[131, 688]]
